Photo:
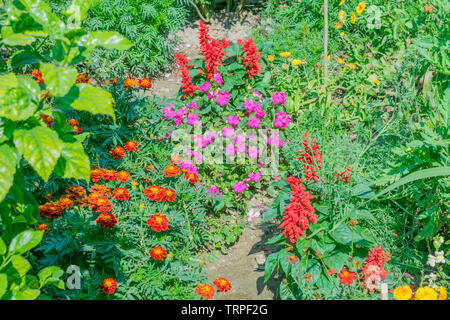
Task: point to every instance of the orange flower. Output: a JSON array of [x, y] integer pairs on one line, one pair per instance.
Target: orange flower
[[351, 65], [108, 285], [50, 210], [42, 226], [292, 259], [270, 58], [192, 177], [171, 170], [158, 222], [76, 128], [346, 277], [154, 193], [65, 202], [131, 146], [38, 75], [170, 195], [82, 78], [103, 204], [101, 190], [176, 159], [121, 194], [130, 82], [95, 175], [308, 277], [205, 290], [47, 119], [122, 176], [158, 253], [106, 220], [117, 152], [114, 81], [222, 284], [145, 83], [76, 192], [108, 175]]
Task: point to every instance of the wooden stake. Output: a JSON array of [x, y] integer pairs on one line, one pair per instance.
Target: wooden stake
[[325, 44]]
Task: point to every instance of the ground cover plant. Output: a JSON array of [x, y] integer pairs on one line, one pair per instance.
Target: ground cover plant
[[109, 192]]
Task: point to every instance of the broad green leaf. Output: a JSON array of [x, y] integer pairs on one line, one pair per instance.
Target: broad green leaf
[[51, 275], [2, 247], [8, 163], [24, 57], [16, 105], [27, 294], [270, 214], [315, 269], [93, 99], [31, 87], [78, 11], [271, 263], [76, 161], [105, 39], [25, 241], [286, 292], [7, 82], [20, 264], [18, 39], [3, 284], [41, 147], [41, 12], [343, 235], [418, 175], [336, 260], [58, 80]]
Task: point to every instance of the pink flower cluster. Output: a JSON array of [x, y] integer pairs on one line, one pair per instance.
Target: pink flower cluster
[[279, 97], [281, 120]]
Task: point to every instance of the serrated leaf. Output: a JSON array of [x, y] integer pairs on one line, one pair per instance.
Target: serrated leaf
[[58, 80], [76, 161], [16, 105], [25, 241], [41, 148], [92, 99]]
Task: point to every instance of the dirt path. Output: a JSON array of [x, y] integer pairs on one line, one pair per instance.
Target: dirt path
[[243, 266]]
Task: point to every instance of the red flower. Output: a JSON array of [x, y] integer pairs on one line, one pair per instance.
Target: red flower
[[158, 222], [171, 170], [121, 194], [145, 83], [82, 78], [346, 277], [298, 213], [170, 195], [50, 210], [42, 226], [192, 177], [122, 176], [344, 175], [155, 193], [38, 75], [47, 119], [108, 285], [99, 203], [131, 146], [158, 253], [106, 220], [250, 57], [65, 202], [222, 284], [311, 158], [108, 175], [205, 290], [95, 175], [212, 50], [117, 152], [188, 86], [101, 190]]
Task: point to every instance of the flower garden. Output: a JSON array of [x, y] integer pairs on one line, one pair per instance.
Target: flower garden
[[335, 113]]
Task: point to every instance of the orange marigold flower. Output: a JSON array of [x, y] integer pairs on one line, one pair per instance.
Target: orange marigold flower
[[145, 83], [114, 81], [47, 119], [131, 146], [192, 177], [38, 75], [171, 170], [205, 290], [95, 175], [108, 175], [158, 253], [346, 277], [117, 152], [170, 195], [154, 193], [121, 194], [82, 78], [176, 159], [42, 226], [158, 222], [130, 83], [108, 285], [101, 190], [106, 220], [50, 210], [270, 58], [123, 176], [222, 284], [103, 204], [65, 202]]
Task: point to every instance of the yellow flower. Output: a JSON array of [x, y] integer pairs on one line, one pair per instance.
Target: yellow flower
[[134, 183], [285, 54], [341, 3], [328, 58], [351, 65], [374, 80], [442, 293], [343, 34], [402, 293], [341, 16], [297, 62], [425, 293], [270, 58], [409, 149], [360, 7], [340, 60], [429, 124], [169, 255], [142, 206], [353, 18], [343, 70]]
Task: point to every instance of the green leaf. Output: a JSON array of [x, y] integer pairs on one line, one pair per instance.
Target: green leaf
[[270, 214], [16, 105], [105, 39], [343, 235], [41, 12], [24, 57], [25, 241], [51, 275], [418, 175], [3, 284], [27, 294], [8, 163], [41, 147], [286, 292], [271, 263], [92, 99], [336, 260], [18, 39], [58, 80], [78, 10], [76, 162], [20, 265], [7, 82]]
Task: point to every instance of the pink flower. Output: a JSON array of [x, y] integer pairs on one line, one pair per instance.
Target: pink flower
[[253, 177], [251, 138], [168, 111], [218, 78], [251, 106], [222, 98], [241, 147], [279, 97], [192, 119], [213, 191], [282, 120], [239, 187], [205, 86], [233, 120], [192, 105], [211, 94], [228, 132], [254, 122], [260, 113], [253, 152], [230, 150]]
